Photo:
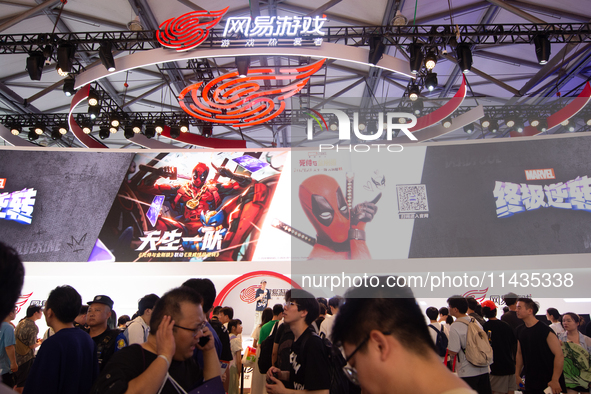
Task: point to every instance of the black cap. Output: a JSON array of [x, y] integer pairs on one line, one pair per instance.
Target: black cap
[[102, 299]]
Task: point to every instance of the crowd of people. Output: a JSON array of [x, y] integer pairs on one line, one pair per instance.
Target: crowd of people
[[372, 340]]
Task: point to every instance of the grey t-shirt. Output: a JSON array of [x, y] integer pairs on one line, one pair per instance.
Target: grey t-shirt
[[457, 341]]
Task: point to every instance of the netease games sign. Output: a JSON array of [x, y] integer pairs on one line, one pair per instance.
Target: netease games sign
[[393, 122]]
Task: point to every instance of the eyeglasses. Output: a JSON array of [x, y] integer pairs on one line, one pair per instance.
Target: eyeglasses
[[195, 331], [288, 304], [350, 371]]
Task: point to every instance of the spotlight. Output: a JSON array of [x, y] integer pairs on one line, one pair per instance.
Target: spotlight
[[446, 122], [114, 120], [39, 128], [494, 126], [106, 55], [159, 126], [431, 81], [128, 132], [35, 65], [588, 119], [519, 126], [416, 57], [413, 92], [104, 132], [417, 107], [469, 129], [113, 129], [534, 122], [94, 111], [399, 19], [175, 131], [137, 126], [93, 99], [464, 55], [333, 127], [571, 127], [87, 127], [184, 125], [150, 131], [55, 134], [542, 125], [242, 64], [376, 49], [16, 130], [510, 122], [542, 48], [564, 123], [430, 60], [47, 53], [207, 131], [63, 129], [65, 57], [32, 135], [485, 122], [69, 87]]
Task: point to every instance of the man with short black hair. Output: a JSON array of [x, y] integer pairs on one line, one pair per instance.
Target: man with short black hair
[[262, 297], [387, 344], [99, 311], [510, 317], [268, 327], [66, 363], [326, 327], [476, 377], [309, 362], [539, 354], [139, 328], [226, 314], [474, 310], [80, 321], [434, 327], [166, 361], [26, 333]]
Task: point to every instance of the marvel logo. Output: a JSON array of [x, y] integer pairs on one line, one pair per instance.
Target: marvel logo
[[533, 175], [2, 183]]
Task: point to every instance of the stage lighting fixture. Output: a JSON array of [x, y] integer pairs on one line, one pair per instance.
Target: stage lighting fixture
[[416, 57], [399, 19], [184, 125], [128, 132], [55, 134], [417, 107], [534, 121], [571, 127], [510, 122], [93, 99], [430, 60], [62, 128], [114, 120], [464, 55], [35, 65], [175, 131], [333, 127], [32, 135], [87, 127], [69, 87], [564, 123], [137, 126], [519, 126], [588, 119], [39, 128], [542, 125], [94, 111], [431, 81], [376, 49], [65, 57], [159, 124], [16, 129], [485, 122], [542, 44], [47, 53], [242, 64], [414, 92], [469, 129], [113, 129], [207, 131], [150, 131], [106, 55], [104, 132], [446, 122], [494, 126]]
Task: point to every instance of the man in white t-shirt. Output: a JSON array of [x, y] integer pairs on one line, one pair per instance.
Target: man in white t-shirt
[[139, 328], [326, 327], [476, 377]]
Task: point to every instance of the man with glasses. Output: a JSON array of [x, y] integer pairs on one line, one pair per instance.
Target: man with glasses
[[165, 362], [387, 344], [309, 362]]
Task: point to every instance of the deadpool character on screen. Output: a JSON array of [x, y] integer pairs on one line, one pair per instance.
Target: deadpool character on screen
[[340, 231]]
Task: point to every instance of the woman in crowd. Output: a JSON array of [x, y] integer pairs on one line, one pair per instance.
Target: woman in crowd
[[576, 348], [258, 379]]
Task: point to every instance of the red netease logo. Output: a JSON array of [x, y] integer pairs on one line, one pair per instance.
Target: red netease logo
[[22, 300], [248, 294], [186, 32], [239, 101], [479, 295], [534, 175]]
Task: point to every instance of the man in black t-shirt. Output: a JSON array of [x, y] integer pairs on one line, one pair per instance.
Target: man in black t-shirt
[[308, 360], [262, 297], [99, 312], [510, 317], [538, 352]]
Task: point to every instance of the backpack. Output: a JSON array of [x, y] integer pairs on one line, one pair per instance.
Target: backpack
[[339, 382], [123, 337], [478, 350], [265, 360], [441, 341]]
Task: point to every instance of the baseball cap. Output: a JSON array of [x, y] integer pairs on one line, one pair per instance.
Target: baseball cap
[[102, 299], [490, 304]]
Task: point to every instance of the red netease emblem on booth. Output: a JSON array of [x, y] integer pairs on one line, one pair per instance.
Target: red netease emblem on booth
[[239, 101], [534, 175], [248, 294], [2, 183], [187, 31]]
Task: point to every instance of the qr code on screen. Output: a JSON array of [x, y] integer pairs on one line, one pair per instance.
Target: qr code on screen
[[412, 198]]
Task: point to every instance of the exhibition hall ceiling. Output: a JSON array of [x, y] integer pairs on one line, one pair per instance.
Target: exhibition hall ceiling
[[502, 74]]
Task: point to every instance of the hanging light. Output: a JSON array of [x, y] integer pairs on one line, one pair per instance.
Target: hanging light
[[510, 122], [65, 58], [114, 120], [519, 127], [56, 135], [485, 122], [413, 92], [399, 19], [16, 129], [94, 111], [104, 132], [464, 55], [534, 121], [184, 125], [565, 122], [150, 131], [93, 99], [63, 128], [128, 132], [417, 107], [431, 81], [35, 65], [39, 128], [69, 87], [542, 44], [416, 57], [446, 122], [376, 49], [106, 55], [542, 125], [175, 131], [430, 60], [242, 64], [159, 124], [32, 135], [137, 126], [493, 127], [469, 129], [87, 127]]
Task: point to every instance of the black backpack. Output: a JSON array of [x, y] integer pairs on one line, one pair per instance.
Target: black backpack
[[265, 360], [441, 341], [339, 382]]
